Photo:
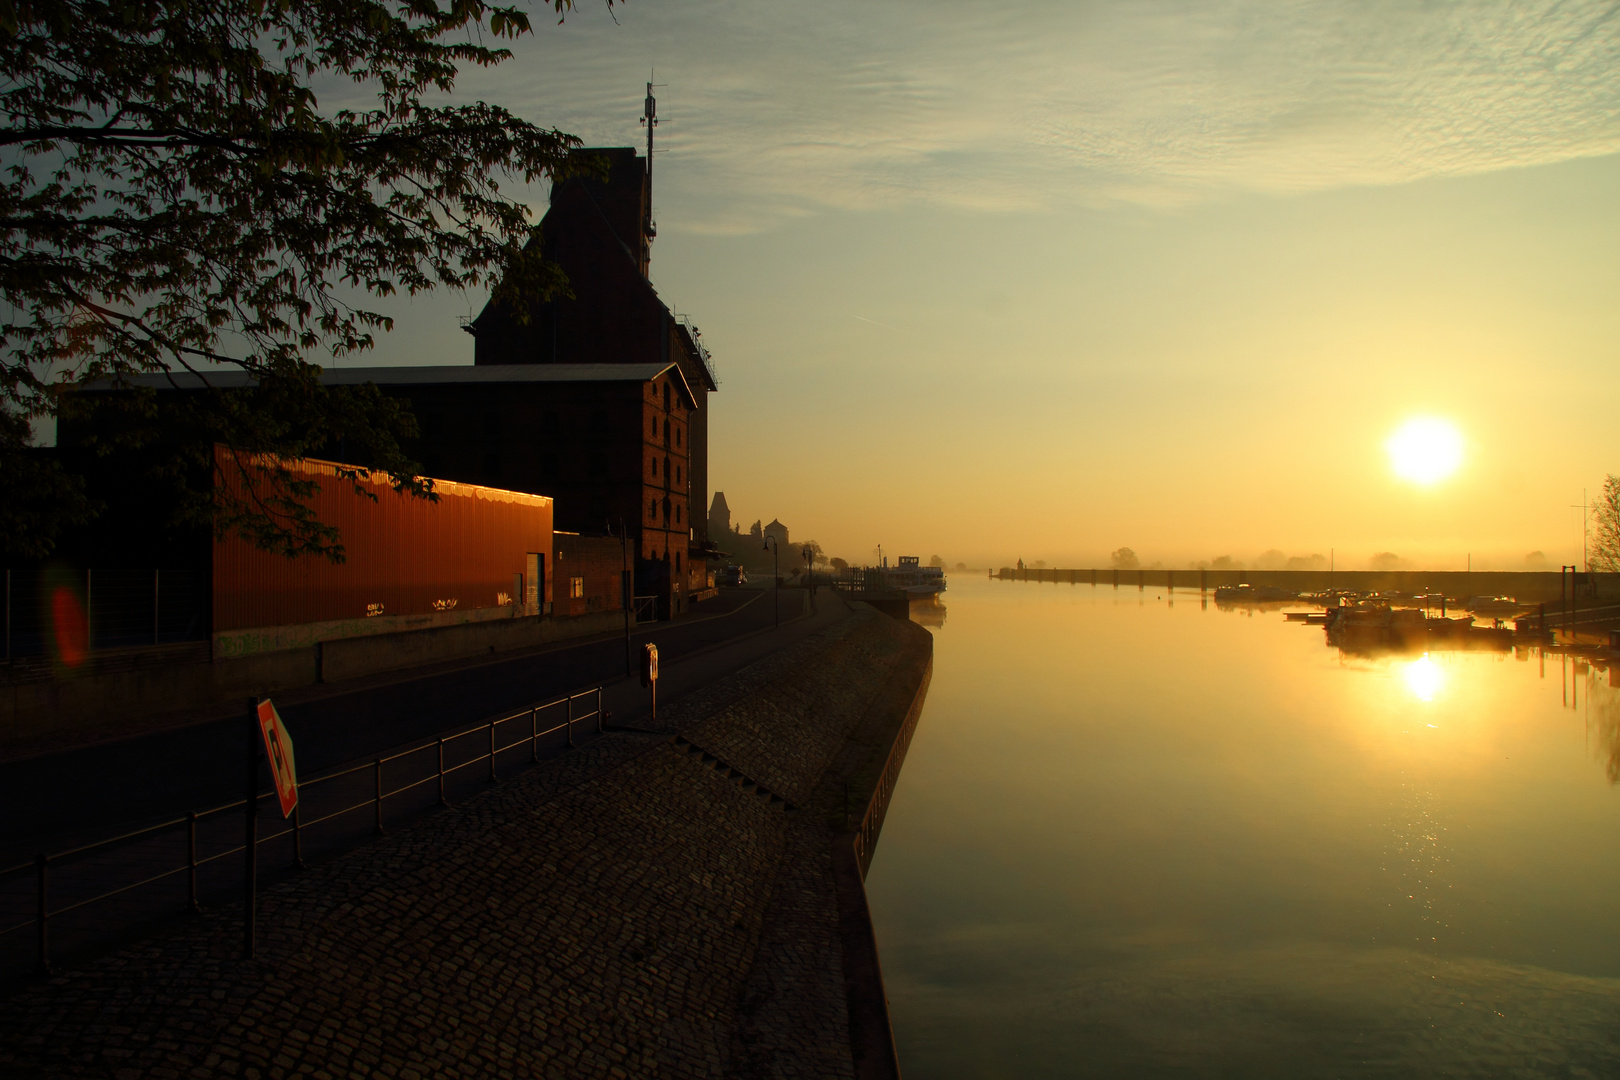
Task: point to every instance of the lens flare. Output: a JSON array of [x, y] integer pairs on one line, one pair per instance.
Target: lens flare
[[71, 628], [1425, 450], [1424, 678]]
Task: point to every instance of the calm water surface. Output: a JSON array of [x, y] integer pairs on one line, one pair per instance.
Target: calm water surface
[[1136, 837]]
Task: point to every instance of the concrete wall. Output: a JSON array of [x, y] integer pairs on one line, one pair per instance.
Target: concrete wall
[[44, 708]]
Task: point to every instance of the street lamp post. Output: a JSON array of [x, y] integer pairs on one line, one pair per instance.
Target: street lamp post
[[810, 575], [775, 548]]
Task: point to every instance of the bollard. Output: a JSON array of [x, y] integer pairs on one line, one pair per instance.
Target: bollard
[[298, 840], [599, 727]]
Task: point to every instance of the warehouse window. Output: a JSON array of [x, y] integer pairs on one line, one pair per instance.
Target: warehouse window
[[652, 507], [677, 474], [576, 588], [655, 466], [666, 431], [677, 436], [677, 514], [655, 427]]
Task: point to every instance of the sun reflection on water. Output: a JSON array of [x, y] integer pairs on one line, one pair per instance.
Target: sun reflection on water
[[1424, 678]]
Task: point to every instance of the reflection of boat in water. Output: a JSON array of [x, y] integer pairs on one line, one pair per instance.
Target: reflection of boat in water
[[928, 611], [1375, 628], [911, 577]]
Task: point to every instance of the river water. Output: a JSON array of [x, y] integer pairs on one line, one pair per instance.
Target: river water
[[1139, 836]]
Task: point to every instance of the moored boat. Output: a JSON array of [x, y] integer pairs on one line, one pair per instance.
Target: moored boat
[[913, 578]]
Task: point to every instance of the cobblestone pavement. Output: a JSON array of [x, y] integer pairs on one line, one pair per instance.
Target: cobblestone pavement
[[639, 907]]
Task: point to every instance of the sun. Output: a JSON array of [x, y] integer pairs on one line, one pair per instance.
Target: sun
[[1425, 450]]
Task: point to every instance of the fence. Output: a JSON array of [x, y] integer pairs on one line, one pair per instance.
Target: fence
[[151, 856], [50, 608], [646, 608]]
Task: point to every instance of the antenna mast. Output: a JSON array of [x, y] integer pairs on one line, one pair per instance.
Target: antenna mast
[[649, 117]]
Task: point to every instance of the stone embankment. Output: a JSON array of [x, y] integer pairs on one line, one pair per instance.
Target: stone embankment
[[669, 903]]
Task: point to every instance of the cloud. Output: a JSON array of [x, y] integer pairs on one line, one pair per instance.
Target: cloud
[[777, 109]]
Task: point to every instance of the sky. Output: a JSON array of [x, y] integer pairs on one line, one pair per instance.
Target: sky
[[1040, 280]]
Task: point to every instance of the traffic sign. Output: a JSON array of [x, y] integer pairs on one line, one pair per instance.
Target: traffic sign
[[278, 749]]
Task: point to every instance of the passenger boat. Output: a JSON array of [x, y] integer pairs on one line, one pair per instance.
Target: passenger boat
[[913, 578]]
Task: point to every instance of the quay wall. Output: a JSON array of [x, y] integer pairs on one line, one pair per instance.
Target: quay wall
[[1529, 587], [658, 903]]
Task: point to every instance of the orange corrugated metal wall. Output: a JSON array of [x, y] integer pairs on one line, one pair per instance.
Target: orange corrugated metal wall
[[403, 553]]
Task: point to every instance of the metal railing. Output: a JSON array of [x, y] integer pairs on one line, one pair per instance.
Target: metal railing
[[645, 609], [196, 822], [866, 836]]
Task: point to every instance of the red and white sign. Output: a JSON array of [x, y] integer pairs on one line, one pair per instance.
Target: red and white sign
[[278, 749]]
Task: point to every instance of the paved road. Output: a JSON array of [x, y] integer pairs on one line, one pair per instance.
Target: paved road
[[54, 801]]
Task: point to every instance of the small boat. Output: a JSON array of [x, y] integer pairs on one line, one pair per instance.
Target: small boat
[[1494, 607], [1253, 594]]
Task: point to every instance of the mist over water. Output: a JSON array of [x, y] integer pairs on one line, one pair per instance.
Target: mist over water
[[1137, 836]]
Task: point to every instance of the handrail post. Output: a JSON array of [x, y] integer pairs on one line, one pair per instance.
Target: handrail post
[[569, 726], [534, 734], [599, 710], [191, 862], [42, 964], [441, 774], [492, 777], [376, 769], [250, 835], [298, 840]]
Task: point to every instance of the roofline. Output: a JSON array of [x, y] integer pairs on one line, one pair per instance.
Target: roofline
[[409, 375]]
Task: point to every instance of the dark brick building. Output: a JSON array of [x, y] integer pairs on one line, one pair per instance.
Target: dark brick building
[[610, 443], [600, 231], [587, 574]]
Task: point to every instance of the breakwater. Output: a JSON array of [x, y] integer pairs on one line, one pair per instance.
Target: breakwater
[[1529, 587], [655, 903]]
